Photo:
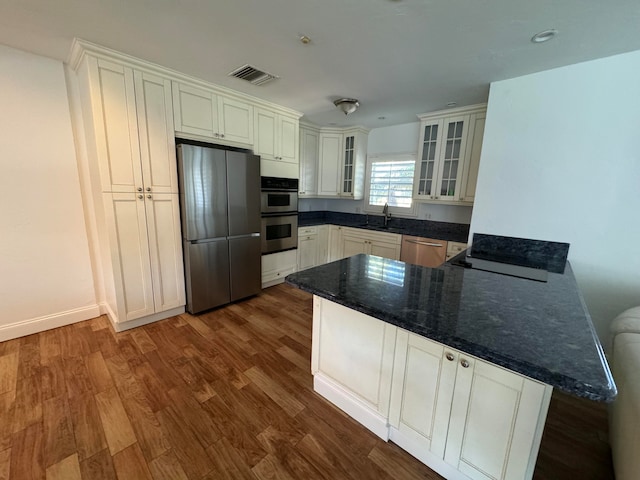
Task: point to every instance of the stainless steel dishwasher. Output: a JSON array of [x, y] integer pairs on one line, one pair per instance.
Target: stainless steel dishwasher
[[427, 252]]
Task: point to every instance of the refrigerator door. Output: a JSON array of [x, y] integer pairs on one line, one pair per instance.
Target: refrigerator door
[[245, 265], [207, 274], [202, 174], [243, 185]]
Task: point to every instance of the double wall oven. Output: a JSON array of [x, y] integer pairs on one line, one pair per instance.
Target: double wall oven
[[279, 205]]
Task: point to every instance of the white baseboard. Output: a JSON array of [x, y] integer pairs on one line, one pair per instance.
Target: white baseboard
[[47, 322], [346, 402], [138, 322]]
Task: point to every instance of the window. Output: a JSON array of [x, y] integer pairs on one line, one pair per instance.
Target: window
[[390, 180]]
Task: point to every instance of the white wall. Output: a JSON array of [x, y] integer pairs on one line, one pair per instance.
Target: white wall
[[45, 275], [561, 161], [394, 139]]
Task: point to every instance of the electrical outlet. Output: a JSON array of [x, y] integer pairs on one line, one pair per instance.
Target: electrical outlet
[[357, 209], [428, 216]]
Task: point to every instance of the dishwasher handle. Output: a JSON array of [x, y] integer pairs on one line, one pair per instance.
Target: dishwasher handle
[[428, 244]]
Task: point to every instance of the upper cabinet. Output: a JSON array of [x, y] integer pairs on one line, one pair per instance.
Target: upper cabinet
[[276, 136], [340, 164], [132, 117], [206, 113], [449, 155], [309, 150]]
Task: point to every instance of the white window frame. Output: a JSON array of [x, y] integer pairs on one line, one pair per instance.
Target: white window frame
[[389, 157]]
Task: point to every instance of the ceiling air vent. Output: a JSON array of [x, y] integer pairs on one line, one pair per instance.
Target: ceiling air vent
[[252, 75]]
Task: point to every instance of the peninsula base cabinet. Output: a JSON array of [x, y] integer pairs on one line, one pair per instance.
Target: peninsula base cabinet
[[462, 416]]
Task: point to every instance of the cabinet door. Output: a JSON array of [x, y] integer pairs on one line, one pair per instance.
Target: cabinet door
[[472, 157], [307, 251], [496, 422], [348, 165], [288, 137], [384, 249], [452, 150], [329, 170], [265, 144], [116, 127], [309, 147], [130, 254], [165, 250], [353, 245], [421, 393], [335, 243], [195, 110], [235, 121], [429, 154], [323, 244], [155, 127]]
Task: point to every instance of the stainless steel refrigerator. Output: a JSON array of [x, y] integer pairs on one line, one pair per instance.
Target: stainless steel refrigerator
[[220, 212]]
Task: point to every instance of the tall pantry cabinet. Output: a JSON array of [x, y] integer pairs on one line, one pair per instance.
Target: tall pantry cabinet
[[128, 122]]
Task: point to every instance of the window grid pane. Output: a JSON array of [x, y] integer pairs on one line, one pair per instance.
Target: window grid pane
[[392, 183]]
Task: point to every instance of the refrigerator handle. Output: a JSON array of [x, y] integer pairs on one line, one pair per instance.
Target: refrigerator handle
[[247, 235]]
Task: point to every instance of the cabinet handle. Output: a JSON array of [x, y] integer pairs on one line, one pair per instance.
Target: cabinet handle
[[139, 189], [140, 197], [148, 189], [148, 196], [450, 356], [464, 363]]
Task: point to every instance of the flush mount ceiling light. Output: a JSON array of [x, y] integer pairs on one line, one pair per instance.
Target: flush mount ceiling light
[[347, 105], [544, 36]]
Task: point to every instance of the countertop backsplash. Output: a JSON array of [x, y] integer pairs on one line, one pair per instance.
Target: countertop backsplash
[[454, 232]]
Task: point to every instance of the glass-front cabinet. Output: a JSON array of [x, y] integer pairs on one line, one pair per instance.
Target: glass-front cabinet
[[347, 174], [444, 155]]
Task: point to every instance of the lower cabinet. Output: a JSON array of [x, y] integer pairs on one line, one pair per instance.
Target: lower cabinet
[[146, 254], [484, 421], [276, 266], [357, 240], [313, 245], [462, 416]]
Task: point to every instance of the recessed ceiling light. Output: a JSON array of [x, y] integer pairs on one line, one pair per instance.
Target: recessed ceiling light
[[451, 104], [304, 39], [544, 36]]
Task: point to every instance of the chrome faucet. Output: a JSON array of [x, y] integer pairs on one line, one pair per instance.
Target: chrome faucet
[[385, 212]]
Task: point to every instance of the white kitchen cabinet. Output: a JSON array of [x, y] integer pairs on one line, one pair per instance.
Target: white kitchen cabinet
[[352, 362], [309, 151], [128, 119], [308, 246], [341, 163], [146, 253], [276, 266], [335, 243], [484, 421], [206, 113], [356, 240], [421, 394], [330, 163], [276, 136], [472, 158], [454, 248], [448, 155]]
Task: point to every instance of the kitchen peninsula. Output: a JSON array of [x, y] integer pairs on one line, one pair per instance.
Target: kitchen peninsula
[[455, 365]]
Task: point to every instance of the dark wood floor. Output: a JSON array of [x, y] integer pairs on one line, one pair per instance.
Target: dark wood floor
[[227, 394]]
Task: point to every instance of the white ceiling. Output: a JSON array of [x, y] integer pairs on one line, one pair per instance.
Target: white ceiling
[[399, 58]]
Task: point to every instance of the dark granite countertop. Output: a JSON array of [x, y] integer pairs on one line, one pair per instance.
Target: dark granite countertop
[[538, 329], [452, 232]]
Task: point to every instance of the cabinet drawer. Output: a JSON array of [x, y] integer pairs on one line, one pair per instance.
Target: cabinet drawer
[[307, 231]]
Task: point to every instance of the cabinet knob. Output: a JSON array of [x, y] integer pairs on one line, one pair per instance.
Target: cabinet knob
[[148, 189], [464, 363], [222, 135], [216, 134], [450, 356], [140, 197], [139, 189], [148, 196]]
